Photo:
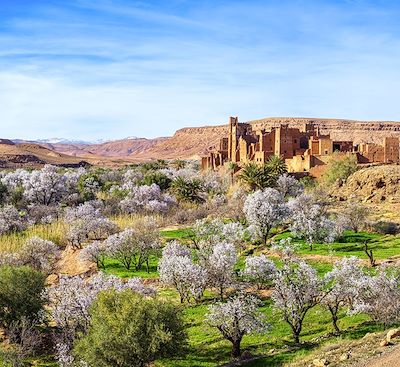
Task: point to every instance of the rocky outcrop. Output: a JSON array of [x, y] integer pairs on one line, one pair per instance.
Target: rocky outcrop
[[372, 184]]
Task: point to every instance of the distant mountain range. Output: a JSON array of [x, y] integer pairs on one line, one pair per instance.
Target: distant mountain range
[[61, 141]]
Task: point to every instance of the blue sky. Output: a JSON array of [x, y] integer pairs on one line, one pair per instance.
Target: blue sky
[[106, 69]]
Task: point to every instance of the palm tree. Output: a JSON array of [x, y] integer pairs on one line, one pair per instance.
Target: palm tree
[[257, 177], [188, 190], [277, 165]]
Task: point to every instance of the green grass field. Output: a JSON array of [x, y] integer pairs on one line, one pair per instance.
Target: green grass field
[[207, 348], [352, 244]]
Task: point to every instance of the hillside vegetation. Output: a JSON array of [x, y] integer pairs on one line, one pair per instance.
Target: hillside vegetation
[[265, 271]]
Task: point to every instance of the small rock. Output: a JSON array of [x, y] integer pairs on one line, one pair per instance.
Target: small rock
[[367, 335], [320, 362], [271, 351], [392, 334], [384, 343], [344, 357]]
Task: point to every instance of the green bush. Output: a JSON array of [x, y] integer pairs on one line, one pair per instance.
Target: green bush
[[21, 294], [340, 168], [158, 178], [88, 184], [128, 330], [188, 190]]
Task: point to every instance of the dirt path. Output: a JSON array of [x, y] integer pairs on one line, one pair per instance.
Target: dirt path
[[391, 358]]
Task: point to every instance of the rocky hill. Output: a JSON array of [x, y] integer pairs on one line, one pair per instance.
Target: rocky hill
[[374, 184], [115, 148], [192, 143], [187, 143], [33, 155]]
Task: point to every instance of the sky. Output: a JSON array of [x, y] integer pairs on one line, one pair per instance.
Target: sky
[[108, 69]]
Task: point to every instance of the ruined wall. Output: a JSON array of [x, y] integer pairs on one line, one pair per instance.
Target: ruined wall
[[340, 130], [391, 150]]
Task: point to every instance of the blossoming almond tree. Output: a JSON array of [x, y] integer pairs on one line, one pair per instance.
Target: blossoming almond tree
[[236, 318], [310, 221], [341, 286], [264, 210], [297, 289]]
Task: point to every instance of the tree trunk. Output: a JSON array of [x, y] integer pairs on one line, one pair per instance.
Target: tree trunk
[[221, 293], [296, 336], [236, 352], [334, 319]]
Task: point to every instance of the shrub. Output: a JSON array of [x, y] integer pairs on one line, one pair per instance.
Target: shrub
[[161, 180], [21, 294], [187, 190], [340, 168], [385, 227], [127, 330]]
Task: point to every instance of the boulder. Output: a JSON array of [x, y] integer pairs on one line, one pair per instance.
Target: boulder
[[392, 334], [384, 343]]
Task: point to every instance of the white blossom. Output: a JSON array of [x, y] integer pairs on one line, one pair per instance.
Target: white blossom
[[237, 317], [264, 210], [289, 186], [188, 278], [379, 296], [220, 266], [310, 221], [11, 220], [297, 289], [146, 199], [40, 254], [259, 269], [341, 286], [45, 186]]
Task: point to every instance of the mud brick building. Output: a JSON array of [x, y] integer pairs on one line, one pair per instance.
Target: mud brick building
[[303, 149]]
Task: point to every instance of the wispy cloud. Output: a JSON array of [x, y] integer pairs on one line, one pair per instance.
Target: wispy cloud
[[108, 69]]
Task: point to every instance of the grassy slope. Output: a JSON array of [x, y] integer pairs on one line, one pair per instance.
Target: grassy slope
[[206, 347]]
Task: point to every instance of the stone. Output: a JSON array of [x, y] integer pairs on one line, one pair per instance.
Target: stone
[[320, 362], [384, 343], [392, 334], [344, 357]]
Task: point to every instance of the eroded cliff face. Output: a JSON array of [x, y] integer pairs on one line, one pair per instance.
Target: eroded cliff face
[[357, 131], [198, 141], [194, 142]]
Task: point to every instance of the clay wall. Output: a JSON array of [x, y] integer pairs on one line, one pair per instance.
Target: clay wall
[[372, 152], [325, 146], [391, 150], [343, 146]]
